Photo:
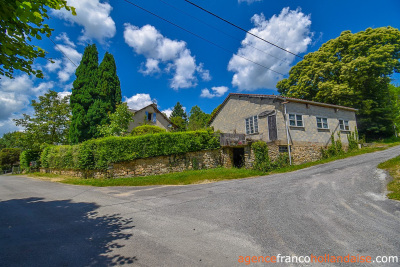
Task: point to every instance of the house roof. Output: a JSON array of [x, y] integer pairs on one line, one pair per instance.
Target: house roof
[[156, 109], [281, 98]]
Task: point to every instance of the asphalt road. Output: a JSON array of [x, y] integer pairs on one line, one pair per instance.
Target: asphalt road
[[337, 208]]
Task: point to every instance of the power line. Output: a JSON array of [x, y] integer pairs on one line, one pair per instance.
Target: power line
[[59, 49], [240, 28], [200, 37], [215, 28]]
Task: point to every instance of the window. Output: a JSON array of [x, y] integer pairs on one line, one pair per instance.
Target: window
[[344, 125], [150, 117], [296, 120], [284, 149], [322, 123], [252, 125]]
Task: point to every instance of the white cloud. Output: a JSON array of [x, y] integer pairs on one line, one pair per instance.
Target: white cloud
[[63, 94], [64, 37], [93, 15], [167, 111], [138, 101], [216, 92], [249, 1], [69, 54], [290, 30], [52, 67], [7, 126], [174, 55]]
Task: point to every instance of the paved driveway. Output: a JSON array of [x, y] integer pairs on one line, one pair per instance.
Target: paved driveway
[[337, 208]]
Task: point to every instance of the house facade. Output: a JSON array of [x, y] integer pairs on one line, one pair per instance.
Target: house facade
[[150, 115], [301, 125]]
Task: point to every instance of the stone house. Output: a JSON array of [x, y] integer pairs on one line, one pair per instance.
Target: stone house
[[150, 115], [284, 123]]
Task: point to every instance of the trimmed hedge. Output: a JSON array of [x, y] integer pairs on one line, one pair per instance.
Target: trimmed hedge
[[97, 154]]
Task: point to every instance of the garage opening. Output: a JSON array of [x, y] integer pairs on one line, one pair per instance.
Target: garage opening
[[238, 157]]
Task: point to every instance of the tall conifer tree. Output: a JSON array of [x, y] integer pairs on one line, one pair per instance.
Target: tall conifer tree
[[81, 98]]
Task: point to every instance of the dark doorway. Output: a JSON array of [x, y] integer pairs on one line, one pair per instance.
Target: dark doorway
[[238, 157]]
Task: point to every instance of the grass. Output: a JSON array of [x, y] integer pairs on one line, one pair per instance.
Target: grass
[[179, 178], [205, 176], [393, 167]]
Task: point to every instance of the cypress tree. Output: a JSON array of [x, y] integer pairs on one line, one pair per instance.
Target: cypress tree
[[81, 98], [106, 95]]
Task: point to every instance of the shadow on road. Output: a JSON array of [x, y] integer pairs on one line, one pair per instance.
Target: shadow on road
[[37, 232]]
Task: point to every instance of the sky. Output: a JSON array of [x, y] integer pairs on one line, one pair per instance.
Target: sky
[[196, 59]]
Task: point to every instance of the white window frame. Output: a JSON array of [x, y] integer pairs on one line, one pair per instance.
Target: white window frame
[[322, 123], [296, 119], [344, 126], [251, 125]]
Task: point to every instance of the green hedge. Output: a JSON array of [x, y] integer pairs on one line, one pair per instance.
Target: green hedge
[[99, 153], [26, 157]]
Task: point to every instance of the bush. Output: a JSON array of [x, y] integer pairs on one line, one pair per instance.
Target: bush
[[147, 129], [335, 149], [261, 160], [9, 156], [26, 157], [97, 154]]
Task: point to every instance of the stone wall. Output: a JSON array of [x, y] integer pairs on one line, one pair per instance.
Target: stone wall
[[206, 159]]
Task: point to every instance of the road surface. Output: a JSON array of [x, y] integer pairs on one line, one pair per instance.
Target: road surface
[[337, 208]]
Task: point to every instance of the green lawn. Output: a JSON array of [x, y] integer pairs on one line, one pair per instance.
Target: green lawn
[[393, 167], [201, 176]]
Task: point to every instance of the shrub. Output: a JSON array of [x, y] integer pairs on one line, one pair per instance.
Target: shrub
[[147, 129], [353, 142], [9, 156], [99, 153], [336, 148], [261, 160], [26, 157], [281, 161]]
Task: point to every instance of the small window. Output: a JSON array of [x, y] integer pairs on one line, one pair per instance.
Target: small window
[[283, 149], [252, 125], [322, 123], [149, 116], [344, 125], [296, 120]]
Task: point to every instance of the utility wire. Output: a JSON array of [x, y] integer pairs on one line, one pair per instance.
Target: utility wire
[[240, 28], [59, 49], [215, 28], [200, 37]]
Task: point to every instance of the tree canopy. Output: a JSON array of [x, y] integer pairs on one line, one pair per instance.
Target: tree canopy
[[96, 92], [179, 117], [50, 123], [119, 122], [22, 21], [198, 119], [352, 70]]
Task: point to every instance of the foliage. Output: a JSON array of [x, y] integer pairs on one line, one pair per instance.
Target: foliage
[[9, 156], [198, 119], [81, 98], [14, 140], [26, 157], [352, 138], [352, 70], [96, 92], [261, 157], [395, 103], [99, 153], [50, 123], [21, 21], [147, 129], [179, 117], [335, 149], [119, 122]]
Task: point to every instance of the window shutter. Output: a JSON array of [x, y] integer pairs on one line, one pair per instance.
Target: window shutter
[[147, 116], [154, 118]]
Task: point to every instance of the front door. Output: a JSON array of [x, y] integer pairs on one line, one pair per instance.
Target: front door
[[273, 133]]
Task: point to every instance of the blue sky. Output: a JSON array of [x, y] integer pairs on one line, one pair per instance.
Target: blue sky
[[157, 61]]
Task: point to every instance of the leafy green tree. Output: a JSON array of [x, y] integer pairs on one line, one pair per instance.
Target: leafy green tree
[[50, 123], [22, 21], [9, 156], [395, 103], [179, 117], [81, 98], [198, 119], [14, 140], [119, 122], [352, 70]]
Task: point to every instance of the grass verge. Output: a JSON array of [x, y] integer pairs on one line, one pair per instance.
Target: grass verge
[[393, 167], [201, 176]]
